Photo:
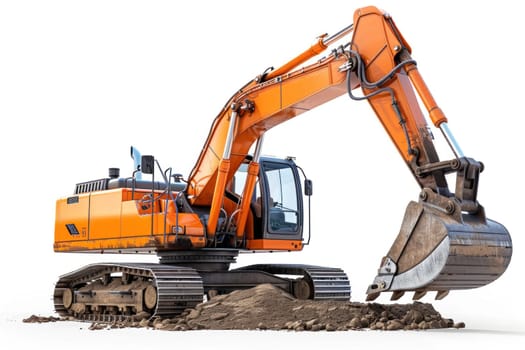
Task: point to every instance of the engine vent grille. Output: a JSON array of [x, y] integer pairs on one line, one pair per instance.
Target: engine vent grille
[[92, 186]]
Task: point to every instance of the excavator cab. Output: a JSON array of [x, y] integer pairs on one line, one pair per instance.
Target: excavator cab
[[277, 201]]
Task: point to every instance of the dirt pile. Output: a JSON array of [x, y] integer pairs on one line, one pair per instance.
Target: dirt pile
[[266, 307], [41, 319]]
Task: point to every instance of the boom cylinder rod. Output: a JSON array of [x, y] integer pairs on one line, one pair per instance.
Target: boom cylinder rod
[[322, 43], [328, 41], [220, 183], [229, 138], [249, 186], [451, 140], [312, 51], [435, 113], [258, 147]]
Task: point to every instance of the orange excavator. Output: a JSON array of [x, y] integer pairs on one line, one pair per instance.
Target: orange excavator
[[235, 200]]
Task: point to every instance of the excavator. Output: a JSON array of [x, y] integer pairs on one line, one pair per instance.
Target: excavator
[[236, 200]]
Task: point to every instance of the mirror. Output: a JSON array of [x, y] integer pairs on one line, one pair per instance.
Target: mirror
[[147, 164], [308, 187]]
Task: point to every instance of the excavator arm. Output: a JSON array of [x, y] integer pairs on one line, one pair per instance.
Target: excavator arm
[[445, 241], [378, 60]]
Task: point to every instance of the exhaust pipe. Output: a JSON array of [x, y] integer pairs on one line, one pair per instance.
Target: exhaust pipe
[[137, 157]]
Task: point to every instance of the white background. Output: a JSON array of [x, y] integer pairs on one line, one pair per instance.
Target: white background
[[81, 81]]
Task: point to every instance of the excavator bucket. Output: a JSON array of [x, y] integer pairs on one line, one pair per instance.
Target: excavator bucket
[[439, 248]]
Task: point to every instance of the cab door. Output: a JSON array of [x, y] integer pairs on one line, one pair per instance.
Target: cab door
[[280, 198]]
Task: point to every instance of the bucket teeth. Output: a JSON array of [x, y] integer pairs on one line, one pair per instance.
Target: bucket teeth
[[372, 296], [437, 251], [419, 294], [441, 294], [396, 295]]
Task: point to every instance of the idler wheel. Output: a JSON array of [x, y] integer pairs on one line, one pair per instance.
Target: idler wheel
[[150, 297], [67, 298], [302, 290]]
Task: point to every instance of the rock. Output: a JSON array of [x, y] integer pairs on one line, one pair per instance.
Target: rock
[[413, 316], [187, 311], [169, 327], [97, 326], [411, 326], [379, 325], [330, 327], [193, 314], [141, 315], [394, 325], [156, 321], [434, 324], [316, 328], [300, 325], [159, 325], [355, 323], [209, 305], [195, 325], [309, 324], [447, 322], [294, 324], [423, 325], [218, 316]]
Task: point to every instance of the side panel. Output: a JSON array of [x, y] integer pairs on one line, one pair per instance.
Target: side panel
[[274, 245], [135, 222], [71, 218], [105, 215], [112, 221]]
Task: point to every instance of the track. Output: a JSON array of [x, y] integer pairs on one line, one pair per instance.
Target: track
[[109, 292], [317, 282]]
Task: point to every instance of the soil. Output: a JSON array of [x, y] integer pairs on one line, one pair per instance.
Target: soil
[[266, 307]]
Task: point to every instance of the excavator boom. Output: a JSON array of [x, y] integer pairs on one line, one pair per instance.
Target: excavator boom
[[472, 250]]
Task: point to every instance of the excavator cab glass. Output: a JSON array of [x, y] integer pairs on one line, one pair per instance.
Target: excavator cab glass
[[277, 203], [282, 209]]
